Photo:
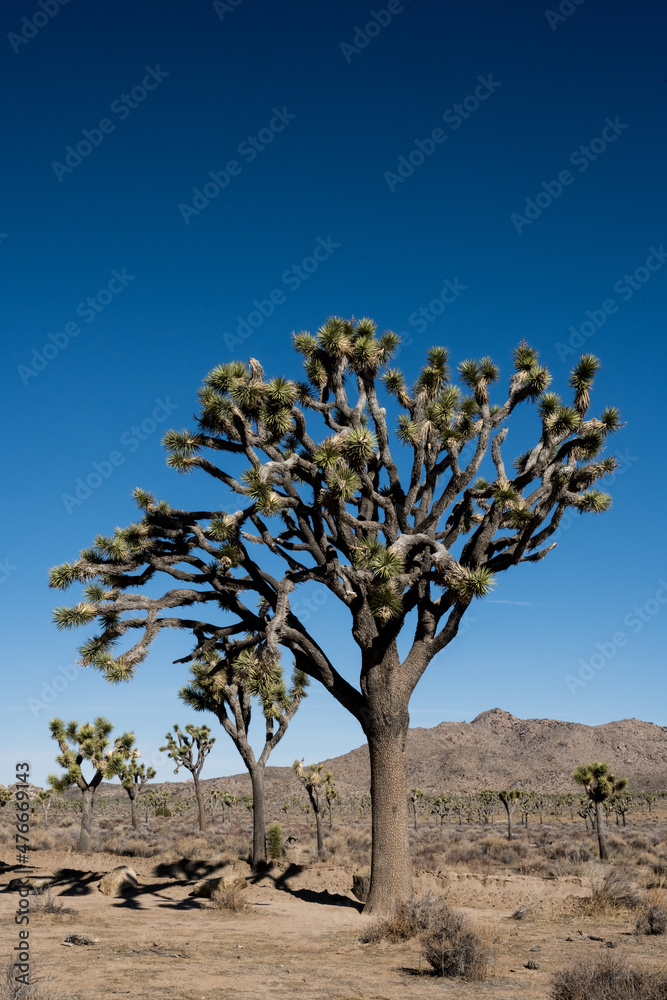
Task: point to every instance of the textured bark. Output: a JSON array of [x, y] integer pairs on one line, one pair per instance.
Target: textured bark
[[602, 833], [391, 870], [258, 818], [133, 809], [86, 820], [200, 803]]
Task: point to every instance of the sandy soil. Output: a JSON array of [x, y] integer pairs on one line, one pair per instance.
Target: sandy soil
[[300, 938]]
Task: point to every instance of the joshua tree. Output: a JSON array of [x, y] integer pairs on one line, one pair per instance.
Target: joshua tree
[[331, 795], [5, 796], [510, 799], [182, 750], [599, 785], [132, 777], [526, 806], [44, 799], [621, 803], [486, 801], [87, 743], [312, 780], [214, 799], [649, 798], [226, 688], [402, 545], [413, 798]]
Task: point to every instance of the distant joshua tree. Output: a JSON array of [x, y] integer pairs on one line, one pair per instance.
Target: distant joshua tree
[[132, 777], [312, 780], [226, 686], [510, 800], [182, 750], [5, 796], [413, 798], [87, 743], [44, 799], [599, 785]]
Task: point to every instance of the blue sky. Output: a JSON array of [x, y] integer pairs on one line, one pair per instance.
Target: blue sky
[[188, 184]]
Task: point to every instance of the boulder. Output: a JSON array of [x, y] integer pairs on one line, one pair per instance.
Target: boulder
[[205, 888], [121, 879]]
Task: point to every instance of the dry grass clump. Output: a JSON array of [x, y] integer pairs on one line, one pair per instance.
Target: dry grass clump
[[616, 891], [652, 921], [45, 901], [450, 946], [229, 898], [610, 979], [38, 989], [347, 845]]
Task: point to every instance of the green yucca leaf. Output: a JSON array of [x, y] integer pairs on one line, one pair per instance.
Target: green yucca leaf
[[315, 370], [249, 396], [112, 548], [279, 420], [229, 555], [385, 603], [519, 517], [365, 350], [366, 550], [525, 357], [182, 463], [80, 614], [521, 462], [360, 445], [143, 498], [388, 344], [63, 576], [537, 380], [506, 494], [473, 583], [481, 483], [489, 371], [611, 418], [431, 380], [469, 373], [408, 431], [583, 373], [565, 421], [394, 381], [343, 483], [438, 357], [222, 528], [334, 337], [608, 466], [594, 502], [386, 564], [327, 455], [181, 441], [93, 649], [469, 407], [304, 343], [94, 592], [281, 391], [224, 377], [366, 327], [549, 404]]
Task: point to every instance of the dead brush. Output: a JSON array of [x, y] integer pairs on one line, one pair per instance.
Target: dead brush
[[39, 987], [452, 948], [609, 979], [229, 898], [46, 902], [652, 921], [405, 922], [615, 892]]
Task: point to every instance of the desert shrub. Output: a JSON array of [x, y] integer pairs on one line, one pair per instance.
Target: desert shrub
[[41, 840], [451, 948], [610, 979], [526, 911], [652, 921], [579, 854], [229, 898], [44, 901], [660, 869], [163, 811], [274, 842], [639, 843], [405, 922], [39, 988], [615, 891]]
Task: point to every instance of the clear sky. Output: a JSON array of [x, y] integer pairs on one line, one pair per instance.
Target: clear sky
[[186, 183]]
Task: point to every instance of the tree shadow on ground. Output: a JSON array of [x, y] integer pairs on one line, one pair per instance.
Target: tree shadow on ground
[[308, 895], [187, 868]]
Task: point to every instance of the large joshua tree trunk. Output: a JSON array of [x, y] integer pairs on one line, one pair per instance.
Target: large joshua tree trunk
[[602, 833], [258, 820], [86, 820], [386, 728]]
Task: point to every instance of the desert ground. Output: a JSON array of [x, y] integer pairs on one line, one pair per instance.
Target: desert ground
[[297, 931]]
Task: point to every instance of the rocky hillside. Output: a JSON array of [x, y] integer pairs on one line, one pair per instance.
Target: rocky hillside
[[495, 750]]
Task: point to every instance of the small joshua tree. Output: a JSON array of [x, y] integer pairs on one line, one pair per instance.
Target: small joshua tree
[[413, 798], [599, 785], [87, 743], [44, 799], [226, 686], [182, 751], [312, 780], [510, 799], [330, 795], [5, 796], [132, 777]]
